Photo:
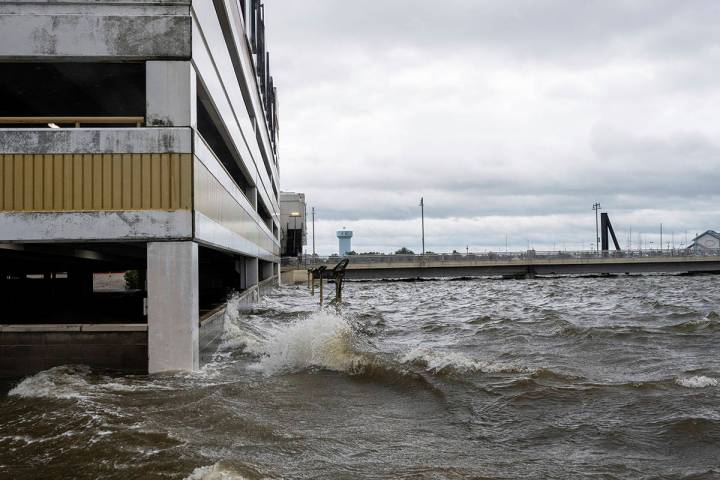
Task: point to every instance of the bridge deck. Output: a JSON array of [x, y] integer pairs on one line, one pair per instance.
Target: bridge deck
[[424, 267]]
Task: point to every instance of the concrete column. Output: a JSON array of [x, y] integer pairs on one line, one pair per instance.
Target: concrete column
[[267, 270], [82, 283], [173, 306], [171, 93], [252, 195], [249, 274]]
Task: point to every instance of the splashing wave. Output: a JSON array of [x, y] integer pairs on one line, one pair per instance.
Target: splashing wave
[[321, 340], [217, 471], [439, 362], [67, 381], [700, 381]]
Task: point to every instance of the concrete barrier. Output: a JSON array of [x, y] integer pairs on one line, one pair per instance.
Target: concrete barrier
[[212, 325], [27, 349], [294, 277]]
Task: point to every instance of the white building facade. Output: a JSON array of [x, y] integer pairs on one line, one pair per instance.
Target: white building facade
[[706, 242]]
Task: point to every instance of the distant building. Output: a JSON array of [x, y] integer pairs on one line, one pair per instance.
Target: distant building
[[709, 240], [293, 223], [344, 241]]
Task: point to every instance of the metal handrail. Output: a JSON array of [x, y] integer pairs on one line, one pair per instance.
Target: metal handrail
[[77, 121]]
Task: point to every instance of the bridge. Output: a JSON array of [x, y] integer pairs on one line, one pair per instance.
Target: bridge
[[516, 264]]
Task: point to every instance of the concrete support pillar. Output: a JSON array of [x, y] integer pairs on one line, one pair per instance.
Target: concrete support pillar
[[251, 194], [170, 88], [173, 306], [249, 274], [266, 270], [82, 283]]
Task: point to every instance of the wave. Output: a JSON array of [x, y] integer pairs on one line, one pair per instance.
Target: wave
[[79, 382], [703, 427], [321, 340], [699, 381], [328, 341], [240, 334], [613, 331], [711, 321], [482, 319], [66, 381], [442, 362], [221, 471]]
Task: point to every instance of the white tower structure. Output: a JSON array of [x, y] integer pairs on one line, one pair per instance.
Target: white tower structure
[[344, 241]]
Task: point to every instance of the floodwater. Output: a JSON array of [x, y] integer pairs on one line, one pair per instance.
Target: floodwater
[[545, 378]]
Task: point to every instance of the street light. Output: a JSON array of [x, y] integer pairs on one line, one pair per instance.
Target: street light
[[313, 225], [596, 207], [422, 219]]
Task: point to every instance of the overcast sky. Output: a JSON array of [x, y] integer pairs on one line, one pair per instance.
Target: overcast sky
[[508, 117]]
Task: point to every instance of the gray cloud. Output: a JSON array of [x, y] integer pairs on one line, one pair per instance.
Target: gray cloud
[[501, 114]]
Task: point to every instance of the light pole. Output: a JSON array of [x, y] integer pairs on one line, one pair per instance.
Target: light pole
[[422, 220], [596, 207], [313, 227]]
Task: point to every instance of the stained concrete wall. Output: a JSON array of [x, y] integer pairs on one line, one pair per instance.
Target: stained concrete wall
[[170, 94], [102, 30], [111, 226], [173, 306], [26, 349], [95, 140], [294, 277]]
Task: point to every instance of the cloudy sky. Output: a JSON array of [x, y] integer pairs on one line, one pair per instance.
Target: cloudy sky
[[509, 117]]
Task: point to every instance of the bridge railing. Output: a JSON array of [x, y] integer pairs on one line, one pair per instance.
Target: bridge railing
[[308, 261]]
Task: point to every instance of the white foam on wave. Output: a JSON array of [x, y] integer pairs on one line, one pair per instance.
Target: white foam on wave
[[67, 381], [699, 381], [435, 361], [80, 383], [322, 340], [238, 333], [218, 471]]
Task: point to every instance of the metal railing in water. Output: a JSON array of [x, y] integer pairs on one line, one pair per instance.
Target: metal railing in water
[[309, 261]]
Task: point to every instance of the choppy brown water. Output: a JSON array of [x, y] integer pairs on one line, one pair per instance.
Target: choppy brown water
[[546, 378]]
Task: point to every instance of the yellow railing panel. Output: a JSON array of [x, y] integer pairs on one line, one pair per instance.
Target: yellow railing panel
[[86, 182]]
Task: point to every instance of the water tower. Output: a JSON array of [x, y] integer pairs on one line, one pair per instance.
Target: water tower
[[344, 241]]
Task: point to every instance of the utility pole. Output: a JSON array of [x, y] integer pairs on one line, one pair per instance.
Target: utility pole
[[596, 207], [313, 227], [422, 220], [661, 237]]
